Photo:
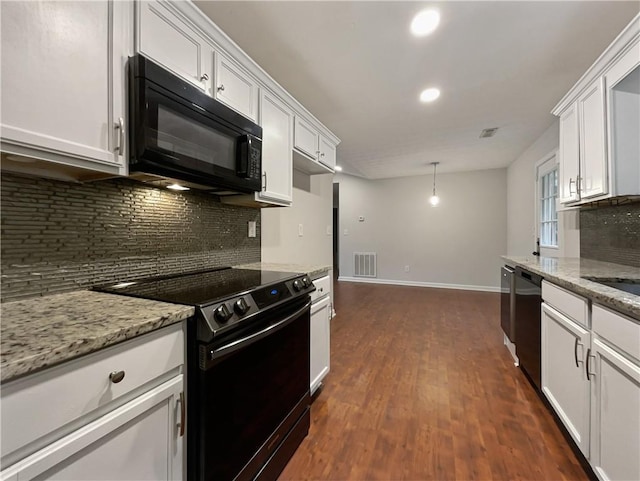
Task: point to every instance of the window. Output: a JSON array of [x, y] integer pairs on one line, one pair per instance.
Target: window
[[548, 189]]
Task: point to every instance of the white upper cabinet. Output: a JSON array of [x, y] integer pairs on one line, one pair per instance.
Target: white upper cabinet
[[235, 87], [600, 125], [569, 154], [277, 132], [306, 138], [169, 41], [593, 154], [63, 86], [622, 84], [327, 152], [313, 152], [276, 119]]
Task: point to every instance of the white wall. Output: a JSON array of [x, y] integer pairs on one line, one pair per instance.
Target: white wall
[[521, 237], [312, 207], [457, 243]]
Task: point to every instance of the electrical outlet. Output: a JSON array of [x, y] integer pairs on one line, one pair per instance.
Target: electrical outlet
[[346, 232], [361, 218], [406, 268], [252, 228], [300, 230]]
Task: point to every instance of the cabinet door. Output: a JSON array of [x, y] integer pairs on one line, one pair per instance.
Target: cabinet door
[[236, 88], [564, 380], [615, 415], [164, 38], [305, 138], [277, 121], [320, 342], [327, 153], [63, 81], [569, 155], [593, 152], [140, 440]]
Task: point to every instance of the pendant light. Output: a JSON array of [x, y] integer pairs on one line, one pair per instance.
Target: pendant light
[[434, 200]]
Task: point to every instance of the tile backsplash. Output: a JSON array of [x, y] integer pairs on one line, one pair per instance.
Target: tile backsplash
[[611, 234], [62, 236]]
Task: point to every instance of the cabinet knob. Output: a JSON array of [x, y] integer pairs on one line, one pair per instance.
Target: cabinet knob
[[221, 88], [322, 154], [116, 376], [204, 77]]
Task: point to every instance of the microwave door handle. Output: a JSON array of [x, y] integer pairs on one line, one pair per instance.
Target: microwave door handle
[[244, 153]]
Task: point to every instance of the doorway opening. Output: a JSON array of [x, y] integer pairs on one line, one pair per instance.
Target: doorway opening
[[336, 225]]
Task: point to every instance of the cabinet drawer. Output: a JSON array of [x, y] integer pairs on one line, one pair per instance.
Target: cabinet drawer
[[50, 401], [622, 333], [570, 304], [323, 288]]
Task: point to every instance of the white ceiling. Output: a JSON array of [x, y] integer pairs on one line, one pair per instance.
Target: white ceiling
[[357, 68]]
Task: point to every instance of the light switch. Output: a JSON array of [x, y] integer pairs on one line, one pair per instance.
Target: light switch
[[328, 230], [252, 228], [300, 230], [346, 232]]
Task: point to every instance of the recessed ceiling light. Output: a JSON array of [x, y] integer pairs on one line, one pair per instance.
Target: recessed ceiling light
[[338, 168], [429, 95], [425, 22], [177, 187]]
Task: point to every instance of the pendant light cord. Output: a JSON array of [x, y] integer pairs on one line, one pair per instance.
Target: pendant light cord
[[434, 177]]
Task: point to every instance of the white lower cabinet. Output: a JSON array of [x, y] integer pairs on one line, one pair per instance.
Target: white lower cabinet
[[319, 366], [615, 401], [592, 380], [116, 414], [137, 441], [564, 379], [320, 331]]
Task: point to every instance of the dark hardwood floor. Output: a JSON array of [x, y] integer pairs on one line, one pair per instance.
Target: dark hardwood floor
[[422, 388]]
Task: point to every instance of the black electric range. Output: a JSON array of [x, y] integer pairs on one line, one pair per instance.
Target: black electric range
[[224, 298], [248, 354]]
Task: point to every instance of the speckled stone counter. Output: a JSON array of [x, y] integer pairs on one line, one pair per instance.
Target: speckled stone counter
[[568, 272], [314, 270], [44, 331]]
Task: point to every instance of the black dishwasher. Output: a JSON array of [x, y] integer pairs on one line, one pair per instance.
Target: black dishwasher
[[528, 301]]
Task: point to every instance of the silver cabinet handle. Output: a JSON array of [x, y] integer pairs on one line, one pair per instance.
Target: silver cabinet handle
[[322, 154], [204, 77], [116, 376], [575, 351], [571, 181], [182, 414], [120, 128], [578, 185], [588, 365], [221, 88], [264, 174]]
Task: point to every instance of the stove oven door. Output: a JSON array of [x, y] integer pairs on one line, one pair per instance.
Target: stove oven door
[[249, 410]]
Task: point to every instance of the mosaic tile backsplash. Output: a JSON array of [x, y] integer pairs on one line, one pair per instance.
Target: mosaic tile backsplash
[[611, 234], [62, 236]]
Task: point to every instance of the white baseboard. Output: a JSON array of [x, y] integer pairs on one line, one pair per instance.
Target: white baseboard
[[436, 285]]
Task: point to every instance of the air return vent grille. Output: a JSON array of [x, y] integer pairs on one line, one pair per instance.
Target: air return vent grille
[[488, 132], [364, 264]]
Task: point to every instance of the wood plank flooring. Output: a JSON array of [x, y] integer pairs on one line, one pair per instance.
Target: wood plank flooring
[[422, 388]]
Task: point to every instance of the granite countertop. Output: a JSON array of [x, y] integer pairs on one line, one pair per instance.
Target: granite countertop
[[314, 270], [44, 331], [568, 272]]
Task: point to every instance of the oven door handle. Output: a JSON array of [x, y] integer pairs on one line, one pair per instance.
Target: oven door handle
[[223, 351]]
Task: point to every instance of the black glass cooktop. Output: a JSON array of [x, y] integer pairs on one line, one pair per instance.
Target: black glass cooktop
[[198, 288]]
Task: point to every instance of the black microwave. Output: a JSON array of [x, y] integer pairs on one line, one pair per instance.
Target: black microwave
[[178, 133]]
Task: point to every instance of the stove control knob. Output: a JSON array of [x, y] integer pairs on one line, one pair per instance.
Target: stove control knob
[[297, 285], [241, 307], [306, 282], [222, 313]]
